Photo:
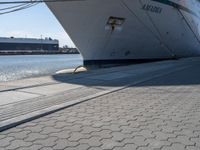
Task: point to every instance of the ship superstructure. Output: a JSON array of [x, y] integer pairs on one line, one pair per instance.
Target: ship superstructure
[[124, 31]]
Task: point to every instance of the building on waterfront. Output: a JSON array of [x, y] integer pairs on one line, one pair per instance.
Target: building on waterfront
[[67, 50], [28, 46]]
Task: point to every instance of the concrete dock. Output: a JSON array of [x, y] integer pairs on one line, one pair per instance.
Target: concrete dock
[[153, 106]]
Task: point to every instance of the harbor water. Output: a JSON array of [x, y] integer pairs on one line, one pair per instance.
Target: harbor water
[[24, 66]]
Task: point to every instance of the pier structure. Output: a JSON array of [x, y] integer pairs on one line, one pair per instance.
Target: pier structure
[[153, 106]]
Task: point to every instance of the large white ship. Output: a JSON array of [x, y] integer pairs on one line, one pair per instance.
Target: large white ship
[[125, 31]]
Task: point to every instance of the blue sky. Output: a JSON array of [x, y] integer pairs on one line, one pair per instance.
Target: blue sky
[[33, 22]]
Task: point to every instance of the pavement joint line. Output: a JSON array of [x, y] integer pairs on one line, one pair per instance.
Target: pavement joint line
[[30, 93], [13, 122], [36, 98], [25, 87]]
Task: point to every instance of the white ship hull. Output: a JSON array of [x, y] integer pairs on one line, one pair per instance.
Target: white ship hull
[[116, 31]]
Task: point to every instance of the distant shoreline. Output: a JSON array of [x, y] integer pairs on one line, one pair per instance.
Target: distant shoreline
[[39, 52], [7, 54]]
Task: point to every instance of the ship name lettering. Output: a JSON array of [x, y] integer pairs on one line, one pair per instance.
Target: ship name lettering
[[151, 8]]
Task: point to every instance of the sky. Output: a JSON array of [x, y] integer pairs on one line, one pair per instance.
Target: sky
[[34, 22]]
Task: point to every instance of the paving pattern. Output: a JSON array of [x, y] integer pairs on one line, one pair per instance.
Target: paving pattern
[[30, 96], [135, 118], [149, 116], [31, 105]]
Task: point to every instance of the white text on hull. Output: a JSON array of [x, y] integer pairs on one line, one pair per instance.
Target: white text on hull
[[116, 31]]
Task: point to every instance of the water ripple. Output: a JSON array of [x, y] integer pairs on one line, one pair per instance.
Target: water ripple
[[18, 67]]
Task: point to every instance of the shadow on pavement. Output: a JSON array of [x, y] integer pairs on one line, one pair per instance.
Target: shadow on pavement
[[188, 76]]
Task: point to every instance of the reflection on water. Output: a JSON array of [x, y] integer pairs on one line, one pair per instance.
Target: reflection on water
[[23, 66]]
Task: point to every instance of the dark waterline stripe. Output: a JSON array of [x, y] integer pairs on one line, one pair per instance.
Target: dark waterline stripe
[[178, 6]]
